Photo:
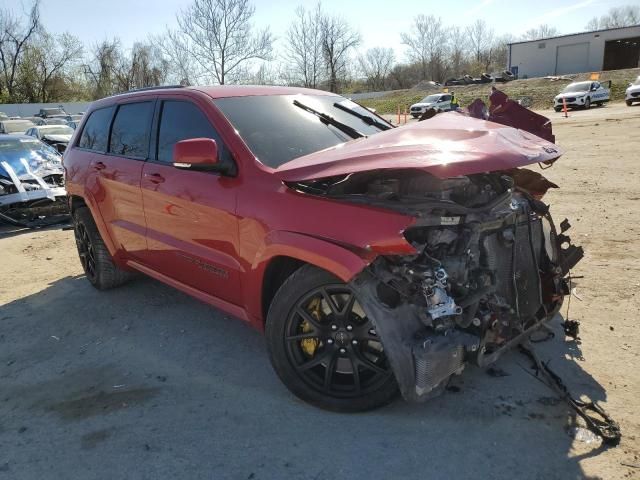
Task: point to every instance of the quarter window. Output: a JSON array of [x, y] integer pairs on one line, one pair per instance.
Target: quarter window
[[96, 130], [130, 131], [182, 121]]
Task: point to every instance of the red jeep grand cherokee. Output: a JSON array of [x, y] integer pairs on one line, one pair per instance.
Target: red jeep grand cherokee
[[377, 259]]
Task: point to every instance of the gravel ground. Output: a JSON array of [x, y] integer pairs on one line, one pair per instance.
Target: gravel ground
[[143, 382]]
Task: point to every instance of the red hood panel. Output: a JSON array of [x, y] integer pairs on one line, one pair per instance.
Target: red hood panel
[[447, 145]]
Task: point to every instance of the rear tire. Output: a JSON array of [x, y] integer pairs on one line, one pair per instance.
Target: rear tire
[[323, 347], [96, 260]]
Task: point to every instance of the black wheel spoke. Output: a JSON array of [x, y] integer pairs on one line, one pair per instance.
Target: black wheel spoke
[[327, 298], [315, 361], [302, 336], [328, 373], [310, 319], [368, 364], [356, 374]]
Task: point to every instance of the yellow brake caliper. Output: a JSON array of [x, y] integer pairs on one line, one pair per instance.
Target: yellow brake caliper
[[309, 345]]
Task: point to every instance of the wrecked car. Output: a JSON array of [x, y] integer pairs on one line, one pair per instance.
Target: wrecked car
[[378, 260], [15, 126], [57, 136], [32, 192]]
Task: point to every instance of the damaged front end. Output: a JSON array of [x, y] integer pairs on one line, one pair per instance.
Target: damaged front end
[[489, 269], [32, 192]]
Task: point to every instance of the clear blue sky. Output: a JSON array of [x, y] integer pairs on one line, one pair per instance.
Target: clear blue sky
[[379, 21]]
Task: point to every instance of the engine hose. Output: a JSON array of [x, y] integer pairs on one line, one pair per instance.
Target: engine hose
[[597, 420]]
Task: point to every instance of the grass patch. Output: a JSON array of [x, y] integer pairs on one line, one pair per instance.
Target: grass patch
[[540, 91]]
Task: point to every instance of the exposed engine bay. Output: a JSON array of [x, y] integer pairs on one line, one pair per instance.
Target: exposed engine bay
[[490, 268], [32, 192]]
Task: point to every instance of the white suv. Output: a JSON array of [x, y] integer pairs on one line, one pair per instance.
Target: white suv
[[632, 94], [582, 95], [439, 101]]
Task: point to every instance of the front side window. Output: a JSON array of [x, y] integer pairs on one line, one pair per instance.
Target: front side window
[[95, 133], [181, 121], [130, 131]]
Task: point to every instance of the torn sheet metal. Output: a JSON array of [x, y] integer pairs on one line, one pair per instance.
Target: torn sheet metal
[[32, 192]]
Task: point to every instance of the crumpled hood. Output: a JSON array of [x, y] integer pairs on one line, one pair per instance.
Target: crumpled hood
[[25, 164], [57, 138], [633, 88], [447, 145]]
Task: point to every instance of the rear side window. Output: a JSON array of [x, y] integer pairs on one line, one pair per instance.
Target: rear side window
[[181, 121], [95, 133], [130, 131]]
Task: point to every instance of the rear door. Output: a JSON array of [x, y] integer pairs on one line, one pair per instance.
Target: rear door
[[117, 164], [192, 229]]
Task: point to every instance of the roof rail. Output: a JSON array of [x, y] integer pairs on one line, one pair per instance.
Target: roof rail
[[158, 87]]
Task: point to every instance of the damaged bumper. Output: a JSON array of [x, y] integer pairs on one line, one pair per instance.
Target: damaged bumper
[[481, 284]]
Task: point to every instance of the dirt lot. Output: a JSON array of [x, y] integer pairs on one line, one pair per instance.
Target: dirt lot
[[145, 382]]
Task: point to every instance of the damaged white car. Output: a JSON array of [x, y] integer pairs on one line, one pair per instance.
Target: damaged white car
[[32, 192]]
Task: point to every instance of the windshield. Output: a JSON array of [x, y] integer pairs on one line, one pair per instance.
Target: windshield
[[430, 99], [26, 155], [16, 127], [277, 131], [61, 130], [577, 87]]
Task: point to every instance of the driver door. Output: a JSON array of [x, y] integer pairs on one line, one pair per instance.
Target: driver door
[[192, 229]]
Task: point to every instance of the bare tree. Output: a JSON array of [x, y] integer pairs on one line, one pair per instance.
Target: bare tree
[[616, 17], [304, 53], [174, 47], [500, 52], [14, 38], [219, 36], [458, 47], [100, 71], [46, 59], [338, 39], [376, 64], [480, 39], [427, 44], [541, 31]]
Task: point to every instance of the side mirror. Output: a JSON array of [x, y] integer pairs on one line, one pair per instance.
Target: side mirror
[[200, 154], [630, 84]]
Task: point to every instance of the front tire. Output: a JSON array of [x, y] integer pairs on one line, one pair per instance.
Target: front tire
[[96, 260], [629, 103], [324, 348], [587, 104]]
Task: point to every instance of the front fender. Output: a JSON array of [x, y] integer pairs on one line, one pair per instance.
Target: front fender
[[341, 260]]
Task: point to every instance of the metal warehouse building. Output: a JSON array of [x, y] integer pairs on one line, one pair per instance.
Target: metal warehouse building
[[610, 49]]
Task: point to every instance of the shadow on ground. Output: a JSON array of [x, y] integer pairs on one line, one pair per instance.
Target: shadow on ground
[[145, 382]]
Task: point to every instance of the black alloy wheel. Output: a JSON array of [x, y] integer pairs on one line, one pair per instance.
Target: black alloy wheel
[[324, 347], [85, 251]]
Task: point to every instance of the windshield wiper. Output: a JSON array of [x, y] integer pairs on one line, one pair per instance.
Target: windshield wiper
[[365, 118], [328, 120]]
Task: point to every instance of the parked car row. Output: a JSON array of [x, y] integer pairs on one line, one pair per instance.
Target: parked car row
[[46, 116]]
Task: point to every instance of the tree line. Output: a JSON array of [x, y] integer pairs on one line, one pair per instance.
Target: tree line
[[216, 42]]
